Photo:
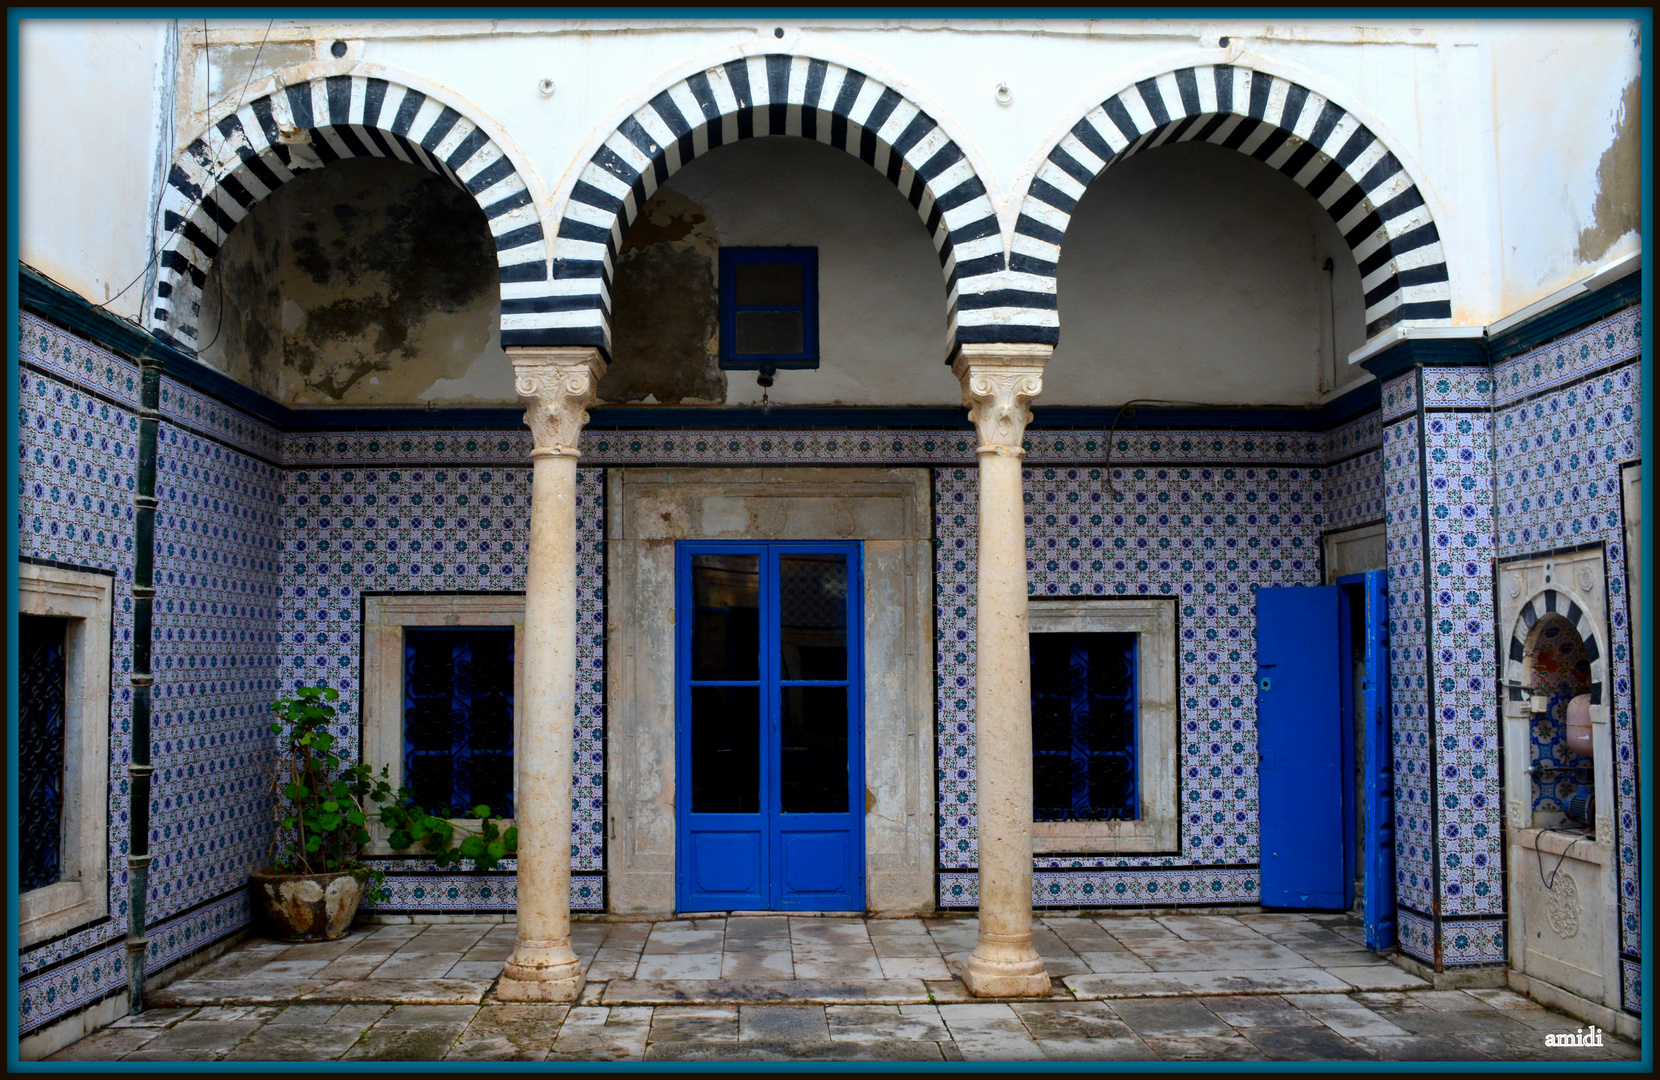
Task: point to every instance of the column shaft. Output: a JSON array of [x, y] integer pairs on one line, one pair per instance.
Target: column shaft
[[1004, 962], [557, 386]]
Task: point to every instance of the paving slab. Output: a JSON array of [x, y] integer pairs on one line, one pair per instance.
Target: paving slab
[[708, 1024], [1185, 983], [1419, 1048], [1204, 1048], [1150, 1018], [1314, 1043], [518, 1032], [1377, 977], [805, 991], [989, 1032], [293, 1043], [203, 1034], [597, 1033], [403, 991], [1258, 1011], [801, 1023], [109, 1044], [886, 1023]]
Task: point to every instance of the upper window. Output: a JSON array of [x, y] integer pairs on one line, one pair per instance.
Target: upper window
[[769, 307]]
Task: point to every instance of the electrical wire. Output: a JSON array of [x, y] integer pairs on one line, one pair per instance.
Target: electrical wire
[[1539, 854], [161, 246]]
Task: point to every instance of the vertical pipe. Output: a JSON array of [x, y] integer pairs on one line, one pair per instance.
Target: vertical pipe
[[144, 593]]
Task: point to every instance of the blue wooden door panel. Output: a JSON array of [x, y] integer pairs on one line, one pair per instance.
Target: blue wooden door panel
[[1378, 905], [1300, 748], [800, 844]]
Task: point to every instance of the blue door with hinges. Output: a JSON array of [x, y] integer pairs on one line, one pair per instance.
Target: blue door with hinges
[[1369, 592], [1304, 757], [769, 727]]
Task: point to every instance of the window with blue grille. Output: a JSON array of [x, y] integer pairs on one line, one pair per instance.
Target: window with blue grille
[[768, 308], [41, 711], [1084, 727], [458, 718]]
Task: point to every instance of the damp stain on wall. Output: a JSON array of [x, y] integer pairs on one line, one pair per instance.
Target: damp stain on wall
[[665, 347], [369, 282], [1618, 209]]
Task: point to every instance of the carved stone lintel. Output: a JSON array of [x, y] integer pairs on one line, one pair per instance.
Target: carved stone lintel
[[999, 382], [557, 384]]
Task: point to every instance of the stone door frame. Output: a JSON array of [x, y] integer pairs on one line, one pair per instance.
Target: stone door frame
[[890, 511]]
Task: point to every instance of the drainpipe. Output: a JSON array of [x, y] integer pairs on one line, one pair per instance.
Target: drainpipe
[[144, 593]]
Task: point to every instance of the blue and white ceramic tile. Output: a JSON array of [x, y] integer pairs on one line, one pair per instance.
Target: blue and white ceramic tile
[[1400, 397], [1605, 343], [1080, 889]]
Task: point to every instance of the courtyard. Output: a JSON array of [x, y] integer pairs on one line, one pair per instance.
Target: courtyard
[[1128, 987]]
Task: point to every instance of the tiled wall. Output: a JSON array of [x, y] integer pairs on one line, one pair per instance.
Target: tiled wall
[[420, 512], [1207, 535], [214, 625], [1568, 415]]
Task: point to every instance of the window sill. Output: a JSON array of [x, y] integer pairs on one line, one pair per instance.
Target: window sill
[[55, 909], [1103, 837]]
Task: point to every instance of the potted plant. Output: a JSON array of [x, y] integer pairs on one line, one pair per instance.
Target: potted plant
[[317, 878]]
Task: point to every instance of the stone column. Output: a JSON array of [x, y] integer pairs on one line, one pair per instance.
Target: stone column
[[999, 381], [557, 385]]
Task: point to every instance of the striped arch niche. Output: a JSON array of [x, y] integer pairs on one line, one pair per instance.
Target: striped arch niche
[[813, 99], [1315, 142], [1551, 601], [269, 141]]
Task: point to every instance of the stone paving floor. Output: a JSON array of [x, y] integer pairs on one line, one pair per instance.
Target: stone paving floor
[[1128, 987]]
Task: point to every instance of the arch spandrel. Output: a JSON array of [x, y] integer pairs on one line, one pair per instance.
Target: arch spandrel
[[246, 155], [801, 96], [1324, 148]]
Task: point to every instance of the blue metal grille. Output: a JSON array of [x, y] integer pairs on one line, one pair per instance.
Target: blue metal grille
[[1084, 727], [458, 718], [40, 719]]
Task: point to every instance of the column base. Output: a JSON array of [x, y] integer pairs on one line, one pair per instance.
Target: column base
[[542, 973], [1010, 976]]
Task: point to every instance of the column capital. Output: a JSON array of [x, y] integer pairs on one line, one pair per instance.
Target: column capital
[[999, 382], [557, 383]]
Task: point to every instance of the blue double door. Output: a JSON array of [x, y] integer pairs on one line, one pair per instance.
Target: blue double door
[[769, 727]]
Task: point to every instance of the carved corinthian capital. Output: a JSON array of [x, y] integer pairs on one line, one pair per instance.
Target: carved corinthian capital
[[557, 384], [999, 382]]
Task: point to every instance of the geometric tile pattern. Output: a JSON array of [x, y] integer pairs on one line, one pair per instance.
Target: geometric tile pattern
[[1463, 659], [1206, 536], [432, 528], [1409, 696], [1613, 340], [1569, 416], [1400, 397], [1088, 887], [824, 447]]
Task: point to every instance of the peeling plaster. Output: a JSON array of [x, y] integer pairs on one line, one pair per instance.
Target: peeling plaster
[[1618, 209], [367, 283]]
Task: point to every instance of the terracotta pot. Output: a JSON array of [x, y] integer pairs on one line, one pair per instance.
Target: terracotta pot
[[308, 907]]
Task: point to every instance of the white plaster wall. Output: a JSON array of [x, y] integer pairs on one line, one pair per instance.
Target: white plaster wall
[[1193, 273], [882, 302], [1502, 124], [1556, 100], [90, 114]]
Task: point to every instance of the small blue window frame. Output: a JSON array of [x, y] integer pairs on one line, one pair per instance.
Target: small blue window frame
[[733, 257]]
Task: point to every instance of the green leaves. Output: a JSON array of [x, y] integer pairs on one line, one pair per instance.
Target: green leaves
[[327, 802]]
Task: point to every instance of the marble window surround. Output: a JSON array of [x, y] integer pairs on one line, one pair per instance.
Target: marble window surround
[[385, 615], [1153, 621], [81, 895]]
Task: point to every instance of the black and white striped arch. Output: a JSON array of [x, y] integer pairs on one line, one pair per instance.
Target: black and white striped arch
[[248, 154], [1317, 143], [1551, 601], [813, 99]]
